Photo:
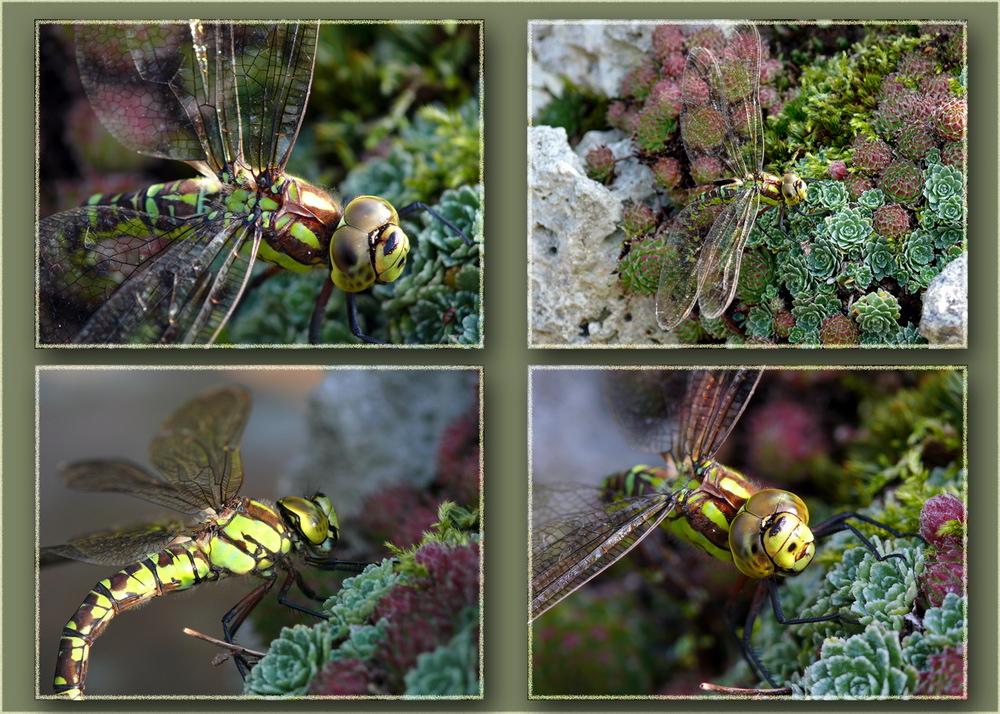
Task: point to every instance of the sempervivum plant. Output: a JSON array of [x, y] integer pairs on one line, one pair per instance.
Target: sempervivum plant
[[911, 610], [410, 624], [406, 626], [879, 114]]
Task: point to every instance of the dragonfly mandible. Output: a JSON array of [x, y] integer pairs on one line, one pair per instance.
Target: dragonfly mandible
[[170, 263], [721, 124], [196, 454], [684, 416]]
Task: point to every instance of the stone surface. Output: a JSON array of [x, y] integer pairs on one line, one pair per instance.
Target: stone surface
[[945, 318], [594, 56], [576, 298], [369, 429]]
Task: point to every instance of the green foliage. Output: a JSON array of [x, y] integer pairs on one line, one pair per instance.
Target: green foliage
[[436, 301], [298, 655], [576, 110], [639, 269], [862, 666], [902, 438], [876, 313], [944, 626], [450, 670], [347, 649], [870, 106], [902, 434], [369, 82]]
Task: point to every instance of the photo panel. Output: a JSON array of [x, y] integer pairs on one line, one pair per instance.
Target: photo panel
[[355, 492], [748, 183], [369, 232], [674, 512]]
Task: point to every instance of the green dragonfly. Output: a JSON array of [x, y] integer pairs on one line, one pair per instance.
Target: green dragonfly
[[170, 263], [197, 455], [685, 416], [720, 125]]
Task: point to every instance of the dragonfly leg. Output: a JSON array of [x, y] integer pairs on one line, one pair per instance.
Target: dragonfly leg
[[318, 311], [294, 576], [414, 207], [233, 619], [748, 651], [840, 523], [352, 320]]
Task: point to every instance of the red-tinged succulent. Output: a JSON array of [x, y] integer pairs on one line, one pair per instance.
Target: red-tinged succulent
[[891, 221], [838, 330]]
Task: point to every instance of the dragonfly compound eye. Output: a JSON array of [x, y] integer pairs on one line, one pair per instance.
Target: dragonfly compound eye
[[771, 535], [309, 518], [368, 245], [793, 189]]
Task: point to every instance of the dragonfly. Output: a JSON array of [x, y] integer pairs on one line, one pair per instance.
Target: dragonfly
[[170, 263], [720, 124], [685, 417], [199, 470]]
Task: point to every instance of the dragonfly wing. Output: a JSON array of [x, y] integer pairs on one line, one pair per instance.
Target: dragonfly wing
[[274, 74], [683, 246], [113, 275], [221, 93], [719, 264], [686, 414], [199, 316], [128, 478], [197, 448], [570, 550], [646, 405], [714, 401], [114, 547], [127, 71], [720, 104]]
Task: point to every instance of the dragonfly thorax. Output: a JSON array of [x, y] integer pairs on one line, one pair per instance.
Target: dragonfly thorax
[[298, 220], [770, 535]]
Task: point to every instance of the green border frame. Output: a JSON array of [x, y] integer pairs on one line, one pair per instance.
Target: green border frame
[[506, 357]]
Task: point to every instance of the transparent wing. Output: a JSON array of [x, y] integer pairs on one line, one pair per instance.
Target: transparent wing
[[689, 252], [715, 400], [198, 447], [683, 414], [719, 263], [114, 547], [108, 476], [114, 275], [222, 93], [721, 129], [588, 536], [720, 104], [197, 450]]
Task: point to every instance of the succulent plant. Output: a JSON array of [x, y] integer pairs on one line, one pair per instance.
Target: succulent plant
[[889, 148]]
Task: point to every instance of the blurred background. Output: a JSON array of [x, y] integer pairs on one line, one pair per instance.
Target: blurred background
[[386, 426]]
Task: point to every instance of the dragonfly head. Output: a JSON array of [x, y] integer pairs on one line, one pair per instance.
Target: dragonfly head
[[313, 520], [793, 189], [770, 535], [368, 245]]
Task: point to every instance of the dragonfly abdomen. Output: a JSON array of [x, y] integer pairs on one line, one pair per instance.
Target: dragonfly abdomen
[[181, 199], [173, 569]]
